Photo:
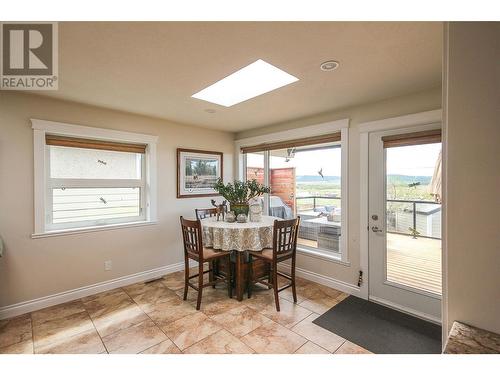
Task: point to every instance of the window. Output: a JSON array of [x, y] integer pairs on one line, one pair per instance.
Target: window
[[307, 179], [91, 182], [306, 182]]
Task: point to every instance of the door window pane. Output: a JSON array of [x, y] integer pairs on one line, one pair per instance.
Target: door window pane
[[413, 216]]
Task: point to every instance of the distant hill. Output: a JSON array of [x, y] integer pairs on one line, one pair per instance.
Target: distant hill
[[396, 179], [318, 178]]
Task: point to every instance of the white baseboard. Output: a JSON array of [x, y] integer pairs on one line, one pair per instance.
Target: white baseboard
[[70, 295], [324, 280], [404, 309]]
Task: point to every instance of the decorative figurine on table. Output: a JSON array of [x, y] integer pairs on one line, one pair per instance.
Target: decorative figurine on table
[[230, 217], [221, 208], [255, 212], [241, 218]]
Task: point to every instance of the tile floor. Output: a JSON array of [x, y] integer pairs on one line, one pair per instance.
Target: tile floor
[[152, 318]]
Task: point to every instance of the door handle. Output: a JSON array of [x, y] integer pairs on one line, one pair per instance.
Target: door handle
[[375, 229]]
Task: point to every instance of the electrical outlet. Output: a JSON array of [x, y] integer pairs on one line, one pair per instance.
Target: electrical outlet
[[108, 265]]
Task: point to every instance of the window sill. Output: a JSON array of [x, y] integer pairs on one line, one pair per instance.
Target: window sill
[[322, 255], [65, 232]]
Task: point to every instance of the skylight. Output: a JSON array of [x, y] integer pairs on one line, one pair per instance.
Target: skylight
[[253, 80]]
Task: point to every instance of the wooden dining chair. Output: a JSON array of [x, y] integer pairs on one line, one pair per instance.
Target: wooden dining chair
[[193, 249], [214, 265], [284, 248], [203, 213]]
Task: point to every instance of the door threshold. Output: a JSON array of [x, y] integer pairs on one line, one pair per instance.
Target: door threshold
[[406, 310]]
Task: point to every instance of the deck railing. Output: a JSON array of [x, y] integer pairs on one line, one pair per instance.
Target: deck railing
[[412, 210]]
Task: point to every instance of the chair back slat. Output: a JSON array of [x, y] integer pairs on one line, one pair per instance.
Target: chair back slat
[[285, 237], [203, 213], [192, 237]]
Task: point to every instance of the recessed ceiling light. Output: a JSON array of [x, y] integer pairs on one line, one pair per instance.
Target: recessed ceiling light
[[329, 65], [253, 80]]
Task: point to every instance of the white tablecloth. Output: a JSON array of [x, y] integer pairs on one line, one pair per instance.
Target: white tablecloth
[[222, 235]]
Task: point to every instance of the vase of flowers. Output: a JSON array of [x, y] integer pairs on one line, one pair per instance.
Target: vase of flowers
[[239, 193]]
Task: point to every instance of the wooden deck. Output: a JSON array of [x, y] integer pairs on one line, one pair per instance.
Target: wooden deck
[[414, 262], [411, 262]]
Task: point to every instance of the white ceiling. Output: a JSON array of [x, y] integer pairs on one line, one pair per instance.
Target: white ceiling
[[153, 68]]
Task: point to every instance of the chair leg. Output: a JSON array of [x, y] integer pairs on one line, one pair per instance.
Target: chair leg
[[228, 277], [294, 291], [275, 287], [250, 276], [211, 272], [200, 285], [186, 277]]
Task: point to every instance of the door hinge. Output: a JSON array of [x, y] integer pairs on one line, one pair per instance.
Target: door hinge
[[360, 278]]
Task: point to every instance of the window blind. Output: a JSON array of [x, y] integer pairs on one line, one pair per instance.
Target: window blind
[[412, 139], [55, 140], [334, 137]]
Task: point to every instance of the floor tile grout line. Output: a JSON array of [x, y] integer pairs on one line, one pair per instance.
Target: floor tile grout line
[[310, 312], [341, 345], [157, 325], [316, 342], [222, 329], [62, 318], [93, 324], [118, 330], [291, 329], [301, 346], [21, 341], [32, 333], [207, 316], [197, 342]]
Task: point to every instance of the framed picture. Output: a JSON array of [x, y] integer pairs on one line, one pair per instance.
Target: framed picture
[[197, 172]]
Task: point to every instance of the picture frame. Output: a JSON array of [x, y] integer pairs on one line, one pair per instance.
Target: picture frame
[[197, 172]]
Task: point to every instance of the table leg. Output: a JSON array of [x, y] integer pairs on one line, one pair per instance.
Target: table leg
[[239, 275]]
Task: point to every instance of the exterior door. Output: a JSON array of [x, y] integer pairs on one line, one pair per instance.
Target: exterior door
[[404, 226]]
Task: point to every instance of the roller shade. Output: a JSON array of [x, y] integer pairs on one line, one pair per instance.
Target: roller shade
[[412, 139], [55, 140], [334, 137]]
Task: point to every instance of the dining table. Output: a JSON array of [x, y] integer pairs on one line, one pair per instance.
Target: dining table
[[239, 238]]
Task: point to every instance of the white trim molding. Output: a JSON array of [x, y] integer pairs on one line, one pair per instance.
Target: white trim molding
[[414, 119], [303, 132], [73, 294], [41, 178], [90, 132], [65, 232], [307, 131], [323, 280]]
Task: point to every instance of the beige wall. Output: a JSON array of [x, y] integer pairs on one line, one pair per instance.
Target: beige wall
[[472, 131], [399, 106], [32, 268]]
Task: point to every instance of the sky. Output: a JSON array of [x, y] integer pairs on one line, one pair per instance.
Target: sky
[[413, 160], [409, 160]]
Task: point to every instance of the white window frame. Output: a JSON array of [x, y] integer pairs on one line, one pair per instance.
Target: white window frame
[[305, 132], [43, 184]]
